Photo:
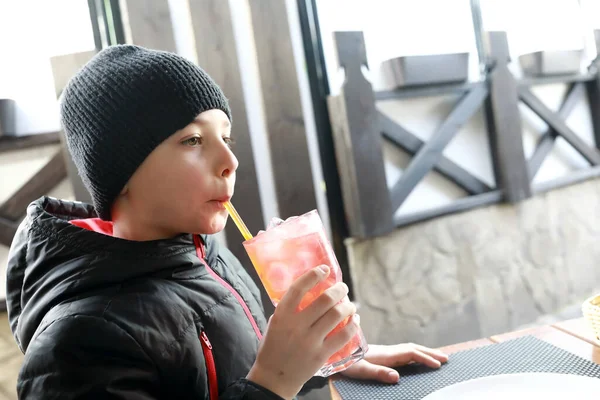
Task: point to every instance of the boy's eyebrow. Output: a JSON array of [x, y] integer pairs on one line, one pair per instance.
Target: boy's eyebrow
[[200, 121]]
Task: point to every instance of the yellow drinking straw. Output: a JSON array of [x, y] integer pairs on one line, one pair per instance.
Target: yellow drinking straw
[[238, 221]]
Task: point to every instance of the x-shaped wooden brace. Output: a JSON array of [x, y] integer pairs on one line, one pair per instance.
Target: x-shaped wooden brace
[[557, 127], [428, 155]]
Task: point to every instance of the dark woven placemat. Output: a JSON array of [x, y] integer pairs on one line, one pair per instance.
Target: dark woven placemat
[[526, 354]]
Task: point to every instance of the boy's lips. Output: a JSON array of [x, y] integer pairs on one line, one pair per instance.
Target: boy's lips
[[223, 199], [219, 203]]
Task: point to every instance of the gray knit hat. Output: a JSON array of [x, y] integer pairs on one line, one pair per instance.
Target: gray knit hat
[[124, 103]]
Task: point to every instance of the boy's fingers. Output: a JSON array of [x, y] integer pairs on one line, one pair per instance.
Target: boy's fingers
[[339, 339], [328, 299], [438, 355], [426, 359], [334, 316], [367, 371], [290, 301]]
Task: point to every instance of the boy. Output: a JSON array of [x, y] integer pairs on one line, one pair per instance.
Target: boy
[[132, 298]]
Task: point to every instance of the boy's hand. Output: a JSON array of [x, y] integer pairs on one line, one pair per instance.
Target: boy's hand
[[295, 344], [377, 360]]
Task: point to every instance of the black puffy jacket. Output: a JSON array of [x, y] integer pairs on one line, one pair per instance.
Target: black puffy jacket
[[101, 317]]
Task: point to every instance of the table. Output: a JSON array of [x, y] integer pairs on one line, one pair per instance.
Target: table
[[571, 335]]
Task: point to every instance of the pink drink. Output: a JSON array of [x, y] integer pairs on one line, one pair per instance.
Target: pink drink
[[283, 253]]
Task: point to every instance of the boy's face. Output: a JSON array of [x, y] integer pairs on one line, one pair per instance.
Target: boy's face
[[180, 187]]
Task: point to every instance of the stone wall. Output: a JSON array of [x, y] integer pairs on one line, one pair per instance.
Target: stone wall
[[481, 272]]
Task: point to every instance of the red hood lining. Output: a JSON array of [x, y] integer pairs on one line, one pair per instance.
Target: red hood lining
[[95, 225]]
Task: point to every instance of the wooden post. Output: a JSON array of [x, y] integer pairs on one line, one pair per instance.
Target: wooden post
[[593, 92], [504, 123], [216, 49], [283, 108], [63, 68], [358, 142], [148, 24]]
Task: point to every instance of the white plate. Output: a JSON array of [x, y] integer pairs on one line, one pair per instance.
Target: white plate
[[522, 386]]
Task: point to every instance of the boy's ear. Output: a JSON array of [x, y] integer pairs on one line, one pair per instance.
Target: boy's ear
[[124, 190]]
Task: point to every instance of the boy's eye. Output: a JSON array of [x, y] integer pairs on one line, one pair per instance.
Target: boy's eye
[[193, 141], [230, 142]]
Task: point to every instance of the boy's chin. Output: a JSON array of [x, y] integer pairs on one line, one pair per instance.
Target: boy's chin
[[212, 231], [215, 226]]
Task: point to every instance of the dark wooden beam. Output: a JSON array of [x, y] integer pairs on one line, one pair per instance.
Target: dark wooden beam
[[456, 206], [593, 92], [425, 91], [7, 231], [430, 153], [549, 80], [92, 5], [503, 120], [319, 87], [217, 55], [38, 185], [11, 143], [357, 138], [478, 32], [591, 154], [286, 129], [571, 179], [546, 141], [410, 143], [117, 21], [397, 134], [106, 21]]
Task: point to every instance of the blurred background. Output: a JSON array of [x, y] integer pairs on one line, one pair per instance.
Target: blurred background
[[450, 146]]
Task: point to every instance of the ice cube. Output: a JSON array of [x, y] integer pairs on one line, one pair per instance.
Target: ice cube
[[274, 222], [278, 276], [271, 249], [307, 260], [303, 226]]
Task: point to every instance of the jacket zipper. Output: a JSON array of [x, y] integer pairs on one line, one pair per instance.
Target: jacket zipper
[[200, 253], [210, 366]]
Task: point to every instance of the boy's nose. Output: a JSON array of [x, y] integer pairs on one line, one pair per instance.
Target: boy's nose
[[230, 164]]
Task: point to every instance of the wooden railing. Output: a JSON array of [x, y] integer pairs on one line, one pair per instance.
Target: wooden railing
[[14, 208], [358, 127]]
